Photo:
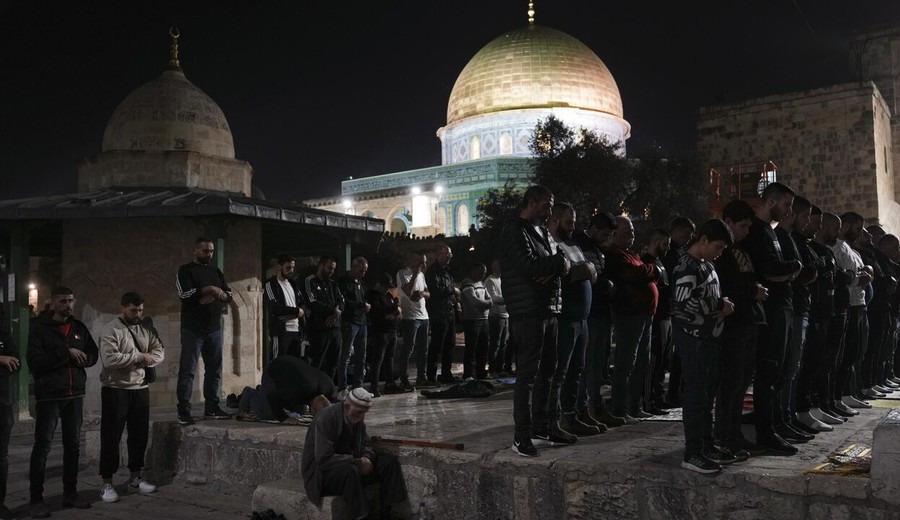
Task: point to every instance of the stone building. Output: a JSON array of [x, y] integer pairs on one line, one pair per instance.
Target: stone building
[[835, 145], [166, 174], [516, 80]]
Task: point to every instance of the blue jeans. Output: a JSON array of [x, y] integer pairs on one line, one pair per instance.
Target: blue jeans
[[415, 336], [596, 361], [193, 346], [573, 338], [499, 333], [46, 416], [699, 359], [632, 333], [353, 346], [792, 363]]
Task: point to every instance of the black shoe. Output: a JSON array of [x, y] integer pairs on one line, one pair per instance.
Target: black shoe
[[75, 501], [800, 427], [775, 445], [216, 413], [184, 419], [791, 435], [719, 455], [393, 388], [697, 462], [840, 413], [655, 410], [407, 388], [560, 436], [665, 404], [424, 382], [540, 438], [39, 510], [447, 380], [743, 445], [524, 447]]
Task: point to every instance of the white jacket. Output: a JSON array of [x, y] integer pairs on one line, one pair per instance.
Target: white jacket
[[122, 365]]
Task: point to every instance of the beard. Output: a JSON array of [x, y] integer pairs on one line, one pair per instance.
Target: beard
[[203, 260]]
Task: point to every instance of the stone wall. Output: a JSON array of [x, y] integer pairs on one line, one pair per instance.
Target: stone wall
[[180, 169], [102, 259], [832, 145]]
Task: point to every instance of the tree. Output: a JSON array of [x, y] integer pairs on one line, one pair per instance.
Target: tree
[[580, 168], [668, 187], [493, 209]]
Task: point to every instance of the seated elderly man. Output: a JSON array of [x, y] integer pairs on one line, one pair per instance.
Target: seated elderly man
[[338, 458], [288, 384]]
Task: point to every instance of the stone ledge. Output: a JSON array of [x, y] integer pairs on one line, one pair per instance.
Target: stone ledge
[[885, 471], [288, 497]]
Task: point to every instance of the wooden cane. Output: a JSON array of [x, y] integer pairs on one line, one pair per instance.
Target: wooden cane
[[420, 444]]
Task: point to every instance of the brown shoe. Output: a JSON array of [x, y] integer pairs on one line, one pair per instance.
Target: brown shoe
[[602, 416], [570, 423]]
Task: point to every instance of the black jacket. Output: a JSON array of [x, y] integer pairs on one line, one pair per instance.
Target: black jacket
[[527, 259], [322, 296], [442, 303], [196, 317], [277, 309], [354, 301], [56, 376], [7, 348]]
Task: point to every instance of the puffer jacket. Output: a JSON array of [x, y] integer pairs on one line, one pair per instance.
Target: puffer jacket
[[527, 259], [56, 376]]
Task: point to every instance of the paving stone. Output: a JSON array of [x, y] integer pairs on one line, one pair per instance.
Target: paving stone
[[822, 511]]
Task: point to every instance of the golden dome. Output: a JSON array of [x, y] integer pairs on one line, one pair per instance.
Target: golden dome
[[533, 67]]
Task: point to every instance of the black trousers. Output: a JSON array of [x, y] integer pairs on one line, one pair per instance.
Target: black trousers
[[286, 343], [120, 409], [475, 358], [6, 423], [443, 339], [737, 362], [380, 352], [769, 380], [325, 350], [344, 479], [661, 342], [47, 414], [499, 335], [536, 343], [879, 335], [813, 366], [854, 349]]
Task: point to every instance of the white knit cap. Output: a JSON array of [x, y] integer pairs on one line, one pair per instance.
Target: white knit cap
[[360, 397]]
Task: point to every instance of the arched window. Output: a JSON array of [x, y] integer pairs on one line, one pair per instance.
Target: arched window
[[475, 148], [462, 219], [506, 147], [442, 220]]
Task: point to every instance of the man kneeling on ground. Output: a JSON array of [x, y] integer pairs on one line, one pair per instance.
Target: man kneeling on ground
[[288, 384], [338, 458]]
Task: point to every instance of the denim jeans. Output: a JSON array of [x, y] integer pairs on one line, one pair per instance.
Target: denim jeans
[[596, 361], [533, 336], [499, 334], [415, 337], [6, 424], [46, 416], [699, 359], [573, 339], [632, 361], [476, 353], [193, 346], [121, 408], [353, 346]]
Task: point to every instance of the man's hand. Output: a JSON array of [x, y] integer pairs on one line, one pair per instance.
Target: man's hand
[[761, 293], [10, 363], [368, 307], [863, 278], [365, 465], [727, 309], [206, 300], [79, 356], [456, 292], [567, 266], [416, 296], [146, 359], [300, 312]]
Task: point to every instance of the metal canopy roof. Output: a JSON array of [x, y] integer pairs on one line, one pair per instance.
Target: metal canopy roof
[[185, 202]]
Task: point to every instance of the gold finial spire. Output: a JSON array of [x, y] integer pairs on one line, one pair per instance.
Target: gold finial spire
[[173, 49], [530, 13]]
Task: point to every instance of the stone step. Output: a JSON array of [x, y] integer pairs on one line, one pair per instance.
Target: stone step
[[287, 497]]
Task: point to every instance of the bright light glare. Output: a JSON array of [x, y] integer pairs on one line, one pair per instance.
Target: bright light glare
[[416, 190]]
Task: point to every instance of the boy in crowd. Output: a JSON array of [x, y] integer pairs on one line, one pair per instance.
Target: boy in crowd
[[698, 314]]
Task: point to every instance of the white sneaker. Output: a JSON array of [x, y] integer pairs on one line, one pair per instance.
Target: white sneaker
[[142, 485], [841, 407], [853, 402], [808, 420], [108, 494], [882, 389], [824, 417]]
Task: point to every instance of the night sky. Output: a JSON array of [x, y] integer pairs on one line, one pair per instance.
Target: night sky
[[318, 91]]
